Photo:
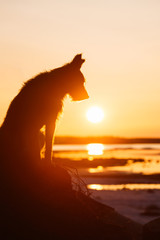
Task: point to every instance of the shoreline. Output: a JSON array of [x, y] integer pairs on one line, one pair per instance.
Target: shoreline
[[104, 140]]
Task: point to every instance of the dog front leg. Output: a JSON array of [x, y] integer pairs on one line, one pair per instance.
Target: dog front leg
[[50, 128]]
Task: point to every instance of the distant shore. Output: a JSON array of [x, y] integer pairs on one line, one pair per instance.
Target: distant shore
[[103, 139]]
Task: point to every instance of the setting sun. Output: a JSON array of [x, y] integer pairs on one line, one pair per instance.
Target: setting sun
[[95, 114]]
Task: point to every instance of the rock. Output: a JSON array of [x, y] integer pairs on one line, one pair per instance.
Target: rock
[[151, 230], [44, 206]]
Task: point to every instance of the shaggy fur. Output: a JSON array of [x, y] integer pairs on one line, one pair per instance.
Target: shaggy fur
[[37, 104]]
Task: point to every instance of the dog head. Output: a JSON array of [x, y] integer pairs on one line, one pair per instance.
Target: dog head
[[77, 84]]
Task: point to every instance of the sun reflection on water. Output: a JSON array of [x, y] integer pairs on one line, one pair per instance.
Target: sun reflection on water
[[95, 149], [131, 186], [96, 170]]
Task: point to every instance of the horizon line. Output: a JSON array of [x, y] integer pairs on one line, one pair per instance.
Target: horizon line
[[104, 136]]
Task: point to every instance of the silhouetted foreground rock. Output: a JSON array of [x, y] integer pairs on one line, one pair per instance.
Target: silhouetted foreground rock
[[151, 230], [42, 205]]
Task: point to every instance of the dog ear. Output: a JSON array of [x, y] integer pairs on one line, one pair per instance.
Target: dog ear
[[78, 61]]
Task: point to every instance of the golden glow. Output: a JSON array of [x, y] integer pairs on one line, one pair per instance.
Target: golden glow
[[95, 114], [130, 186], [96, 170], [95, 187], [95, 149], [122, 63], [145, 167]]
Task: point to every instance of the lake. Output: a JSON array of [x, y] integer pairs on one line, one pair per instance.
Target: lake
[[125, 176], [147, 154]]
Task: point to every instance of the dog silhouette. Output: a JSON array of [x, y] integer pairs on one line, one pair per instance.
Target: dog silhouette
[[38, 104]]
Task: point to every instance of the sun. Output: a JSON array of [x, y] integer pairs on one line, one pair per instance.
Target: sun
[[95, 114]]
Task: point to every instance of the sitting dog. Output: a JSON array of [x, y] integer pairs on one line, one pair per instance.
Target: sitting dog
[[38, 104]]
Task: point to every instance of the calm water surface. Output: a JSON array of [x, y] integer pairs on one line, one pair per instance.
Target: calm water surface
[[149, 163], [98, 150], [128, 193]]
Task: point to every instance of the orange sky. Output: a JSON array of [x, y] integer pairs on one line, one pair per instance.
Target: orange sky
[[121, 43]]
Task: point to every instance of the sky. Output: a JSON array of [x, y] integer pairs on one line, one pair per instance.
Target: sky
[[120, 41]]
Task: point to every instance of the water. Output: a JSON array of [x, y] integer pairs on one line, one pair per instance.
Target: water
[[127, 186], [84, 147], [140, 158], [125, 176]]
